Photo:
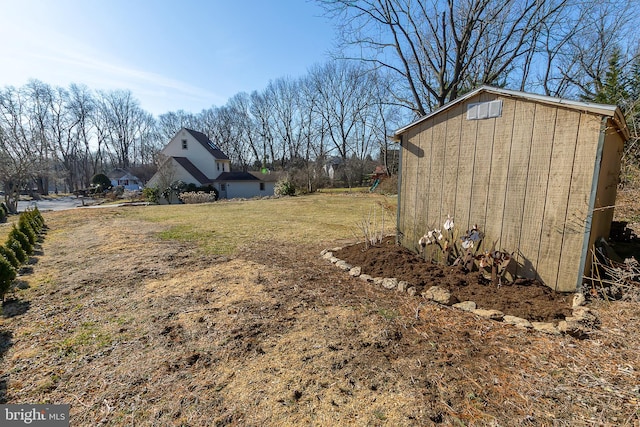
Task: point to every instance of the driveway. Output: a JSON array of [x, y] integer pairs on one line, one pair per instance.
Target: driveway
[[56, 204]]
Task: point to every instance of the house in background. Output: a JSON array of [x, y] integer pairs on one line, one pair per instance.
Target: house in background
[[122, 178], [193, 158], [537, 174]]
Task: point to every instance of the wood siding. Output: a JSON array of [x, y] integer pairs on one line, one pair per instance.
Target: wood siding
[[526, 178]]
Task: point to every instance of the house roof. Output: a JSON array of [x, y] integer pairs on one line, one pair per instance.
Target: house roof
[[118, 173], [192, 169], [601, 109], [208, 144], [236, 176], [271, 176]]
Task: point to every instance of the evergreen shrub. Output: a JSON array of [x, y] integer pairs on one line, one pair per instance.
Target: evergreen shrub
[[7, 275]]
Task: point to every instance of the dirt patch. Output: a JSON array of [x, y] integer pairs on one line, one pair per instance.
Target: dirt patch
[[528, 299]]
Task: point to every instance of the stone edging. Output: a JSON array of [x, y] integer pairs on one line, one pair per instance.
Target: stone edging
[[583, 321]]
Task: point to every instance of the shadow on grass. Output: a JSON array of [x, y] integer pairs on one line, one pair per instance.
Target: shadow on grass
[[14, 307]]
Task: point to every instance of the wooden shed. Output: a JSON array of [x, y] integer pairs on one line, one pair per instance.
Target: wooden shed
[[537, 174]]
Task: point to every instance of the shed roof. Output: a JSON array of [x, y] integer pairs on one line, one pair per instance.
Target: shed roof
[[208, 144], [602, 109]]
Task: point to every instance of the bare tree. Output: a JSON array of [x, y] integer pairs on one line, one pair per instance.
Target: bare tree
[[439, 49]]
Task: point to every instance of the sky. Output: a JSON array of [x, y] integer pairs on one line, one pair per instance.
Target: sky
[[172, 55]]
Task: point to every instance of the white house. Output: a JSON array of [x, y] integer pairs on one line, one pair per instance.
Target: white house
[[122, 178], [191, 157]]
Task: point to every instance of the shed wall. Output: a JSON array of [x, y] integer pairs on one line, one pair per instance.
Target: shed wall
[[524, 178]]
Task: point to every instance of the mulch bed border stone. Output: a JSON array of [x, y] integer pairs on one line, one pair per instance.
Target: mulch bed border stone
[[582, 322]]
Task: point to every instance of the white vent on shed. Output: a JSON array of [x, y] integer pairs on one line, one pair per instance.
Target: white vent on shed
[[484, 110]]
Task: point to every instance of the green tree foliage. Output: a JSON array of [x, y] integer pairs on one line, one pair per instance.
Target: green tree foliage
[[101, 182], [7, 275], [26, 227], [16, 247], [10, 256], [22, 239]]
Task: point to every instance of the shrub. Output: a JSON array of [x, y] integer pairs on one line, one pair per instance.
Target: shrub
[[10, 256], [388, 185], [101, 182], [26, 227], [285, 187], [35, 219], [197, 197], [20, 237], [151, 194], [19, 253], [7, 275]]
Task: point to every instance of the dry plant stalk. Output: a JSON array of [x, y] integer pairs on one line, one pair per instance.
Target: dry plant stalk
[[611, 279], [372, 229]]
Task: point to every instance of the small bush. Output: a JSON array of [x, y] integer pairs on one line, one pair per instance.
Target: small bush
[[388, 185], [101, 182], [151, 194], [197, 197], [285, 187], [7, 275], [26, 227], [19, 253], [10, 256], [19, 236]]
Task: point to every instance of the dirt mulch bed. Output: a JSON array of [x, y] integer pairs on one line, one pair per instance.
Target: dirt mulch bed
[[528, 299]]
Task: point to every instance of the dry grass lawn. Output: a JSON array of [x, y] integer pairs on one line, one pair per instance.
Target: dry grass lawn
[[224, 314]]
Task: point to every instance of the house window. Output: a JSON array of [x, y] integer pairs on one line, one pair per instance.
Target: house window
[[262, 186], [184, 144], [223, 187], [218, 164]]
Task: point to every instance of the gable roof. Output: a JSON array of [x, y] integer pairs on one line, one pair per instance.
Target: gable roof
[[236, 176], [118, 173], [208, 144], [602, 109], [192, 169]]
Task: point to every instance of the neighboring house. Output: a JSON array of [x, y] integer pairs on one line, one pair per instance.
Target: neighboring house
[[537, 174], [193, 158], [122, 178]]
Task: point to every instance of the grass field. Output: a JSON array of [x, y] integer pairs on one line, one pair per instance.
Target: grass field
[[219, 228]]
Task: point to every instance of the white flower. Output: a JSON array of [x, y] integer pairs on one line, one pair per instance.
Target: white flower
[[467, 244], [424, 241], [448, 224], [438, 233]]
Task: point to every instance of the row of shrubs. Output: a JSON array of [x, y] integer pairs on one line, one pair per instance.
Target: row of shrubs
[[19, 246]]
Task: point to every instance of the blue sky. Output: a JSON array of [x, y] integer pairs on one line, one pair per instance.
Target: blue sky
[[172, 55]]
